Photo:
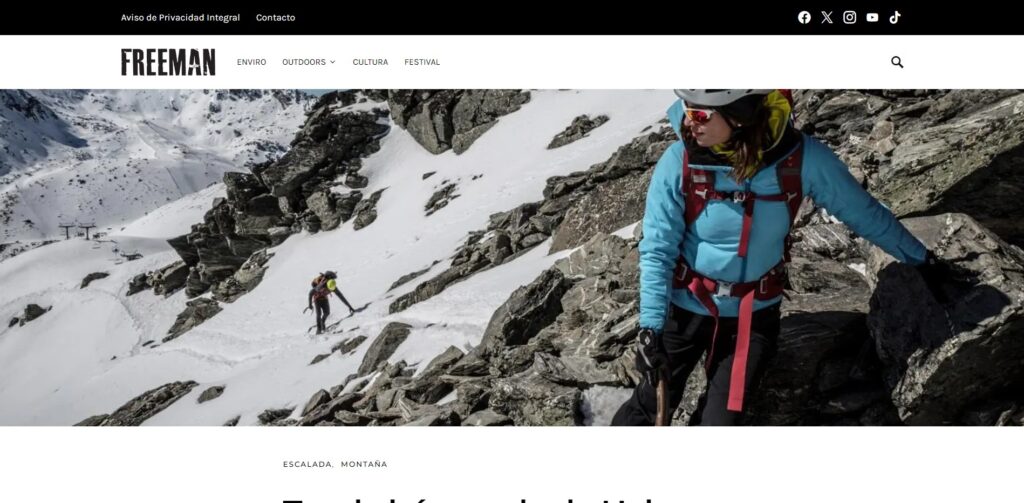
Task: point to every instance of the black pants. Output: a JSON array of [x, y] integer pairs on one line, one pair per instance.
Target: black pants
[[323, 310], [687, 336]]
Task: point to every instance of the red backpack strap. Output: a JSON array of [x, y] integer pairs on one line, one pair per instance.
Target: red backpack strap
[[791, 185], [694, 188], [697, 185]]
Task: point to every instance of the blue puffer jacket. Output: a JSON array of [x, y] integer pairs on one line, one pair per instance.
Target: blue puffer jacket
[[710, 245]]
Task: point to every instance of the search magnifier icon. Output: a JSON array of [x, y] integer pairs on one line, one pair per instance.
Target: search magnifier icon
[[896, 61]]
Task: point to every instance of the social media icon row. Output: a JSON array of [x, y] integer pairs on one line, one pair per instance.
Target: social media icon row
[[849, 17]]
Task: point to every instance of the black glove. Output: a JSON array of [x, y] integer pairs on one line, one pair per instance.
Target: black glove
[[935, 272], [650, 354]]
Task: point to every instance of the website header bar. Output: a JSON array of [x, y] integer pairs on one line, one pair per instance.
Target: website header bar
[[635, 62]]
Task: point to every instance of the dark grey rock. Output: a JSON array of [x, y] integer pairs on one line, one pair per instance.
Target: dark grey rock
[[273, 416], [580, 127], [211, 393], [323, 204], [532, 240], [139, 409], [245, 279], [366, 211], [169, 279], [196, 312], [440, 198], [89, 278], [529, 309], [393, 335], [443, 119], [428, 388], [32, 311], [942, 356], [348, 344], [328, 410], [319, 398]]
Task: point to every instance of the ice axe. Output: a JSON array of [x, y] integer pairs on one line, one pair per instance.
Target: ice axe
[[661, 391]]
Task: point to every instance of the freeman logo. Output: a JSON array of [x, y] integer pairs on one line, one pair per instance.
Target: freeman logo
[[168, 62]]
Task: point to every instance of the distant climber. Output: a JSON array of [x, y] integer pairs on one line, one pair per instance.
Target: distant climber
[[323, 285]]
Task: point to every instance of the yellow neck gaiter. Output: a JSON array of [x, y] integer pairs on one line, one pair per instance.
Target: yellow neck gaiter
[[779, 110]]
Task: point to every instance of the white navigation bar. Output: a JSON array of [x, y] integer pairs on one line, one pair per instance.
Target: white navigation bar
[[621, 62]]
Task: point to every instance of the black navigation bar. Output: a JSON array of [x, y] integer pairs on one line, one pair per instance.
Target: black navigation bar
[[672, 18]]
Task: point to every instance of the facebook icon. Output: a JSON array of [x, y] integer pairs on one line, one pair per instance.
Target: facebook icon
[[804, 17]]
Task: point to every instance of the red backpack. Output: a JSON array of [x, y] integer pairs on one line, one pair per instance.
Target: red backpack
[[320, 287]]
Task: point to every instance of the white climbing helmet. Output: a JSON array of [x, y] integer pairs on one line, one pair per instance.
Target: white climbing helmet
[[716, 97]]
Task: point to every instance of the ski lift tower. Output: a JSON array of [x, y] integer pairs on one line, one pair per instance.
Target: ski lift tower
[[87, 227], [67, 230]]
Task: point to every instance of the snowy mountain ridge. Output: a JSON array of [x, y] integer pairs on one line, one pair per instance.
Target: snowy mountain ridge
[[108, 157]]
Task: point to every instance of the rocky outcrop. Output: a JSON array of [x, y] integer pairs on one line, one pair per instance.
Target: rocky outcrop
[[344, 347], [144, 406], [210, 393], [383, 346], [275, 417], [580, 127], [164, 281], [427, 387], [324, 204], [328, 411], [282, 197], [945, 355], [929, 152], [324, 148], [366, 210], [528, 310], [319, 398], [196, 312], [138, 283], [32, 312], [608, 207], [441, 198], [451, 119], [93, 276], [245, 279], [169, 279]]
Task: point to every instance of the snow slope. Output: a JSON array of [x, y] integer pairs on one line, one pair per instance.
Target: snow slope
[[108, 157], [58, 368]]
